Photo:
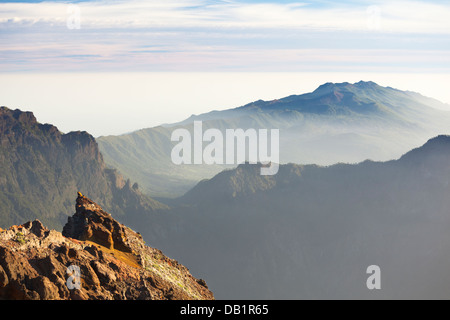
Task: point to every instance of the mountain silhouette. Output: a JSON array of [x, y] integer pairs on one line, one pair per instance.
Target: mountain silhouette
[[311, 232], [338, 122], [42, 168]]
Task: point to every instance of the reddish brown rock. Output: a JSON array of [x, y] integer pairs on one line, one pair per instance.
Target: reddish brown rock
[[91, 223], [113, 260]]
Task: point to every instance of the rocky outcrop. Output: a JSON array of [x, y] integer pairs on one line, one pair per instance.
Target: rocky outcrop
[[113, 262], [91, 223]]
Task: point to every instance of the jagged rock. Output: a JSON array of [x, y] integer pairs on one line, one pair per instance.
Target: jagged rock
[[113, 260], [90, 222], [36, 227]]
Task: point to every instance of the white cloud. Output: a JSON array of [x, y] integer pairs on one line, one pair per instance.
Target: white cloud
[[186, 35], [395, 16]]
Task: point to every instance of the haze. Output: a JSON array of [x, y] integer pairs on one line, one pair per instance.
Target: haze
[[111, 67], [117, 103]]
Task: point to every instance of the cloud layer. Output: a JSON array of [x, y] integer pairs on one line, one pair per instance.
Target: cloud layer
[[197, 35]]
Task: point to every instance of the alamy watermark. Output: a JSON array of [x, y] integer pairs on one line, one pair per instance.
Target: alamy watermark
[[374, 280], [74, 279], [373, 18], [230, 148], [74, 17]]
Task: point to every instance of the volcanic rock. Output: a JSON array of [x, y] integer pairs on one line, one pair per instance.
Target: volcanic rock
[[113, 262]]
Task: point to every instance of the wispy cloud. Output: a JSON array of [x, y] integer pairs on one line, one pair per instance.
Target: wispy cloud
[[168, 34], [398, 16]]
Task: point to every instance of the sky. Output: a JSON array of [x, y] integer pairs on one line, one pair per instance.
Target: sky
[[152, 62]]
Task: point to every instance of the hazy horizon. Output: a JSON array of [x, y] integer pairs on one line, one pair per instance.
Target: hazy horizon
[[111, 67], [117, 103]]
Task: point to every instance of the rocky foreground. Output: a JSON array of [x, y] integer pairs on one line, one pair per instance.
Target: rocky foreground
[[95, 257]]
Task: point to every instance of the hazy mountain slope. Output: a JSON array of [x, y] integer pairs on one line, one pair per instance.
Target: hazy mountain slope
[[336, 123], [311, 231], [41, 169], [145, 155]]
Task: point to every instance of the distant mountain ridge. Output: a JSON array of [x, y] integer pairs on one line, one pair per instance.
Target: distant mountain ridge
[[41, 168], [360, 98], [338, 122], [310, 232], [245, 180]]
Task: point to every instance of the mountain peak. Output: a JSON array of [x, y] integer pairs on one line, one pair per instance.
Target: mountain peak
[[12, 120], [18, 115], [440, 139], [331, 86], [91, 223], [366, 84], [440, 142], [433, 150]]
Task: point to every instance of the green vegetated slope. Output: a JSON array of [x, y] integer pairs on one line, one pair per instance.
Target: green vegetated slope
[[42, 169]]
